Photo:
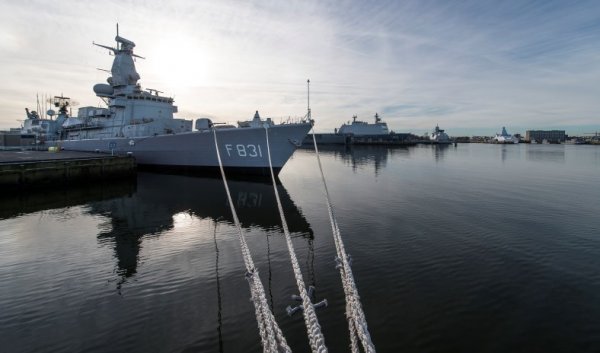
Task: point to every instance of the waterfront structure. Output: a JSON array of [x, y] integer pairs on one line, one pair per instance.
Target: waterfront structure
[[34, 169], [480, 139], [141, 123], [505, 138], [551, 136]]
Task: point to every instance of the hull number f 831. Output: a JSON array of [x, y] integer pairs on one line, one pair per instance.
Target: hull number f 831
[[244, 150]]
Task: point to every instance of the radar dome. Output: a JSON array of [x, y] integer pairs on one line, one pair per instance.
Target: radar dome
[[103, 90]]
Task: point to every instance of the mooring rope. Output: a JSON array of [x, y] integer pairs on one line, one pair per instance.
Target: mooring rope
[[354, 313], [315, 336], [271, 336]]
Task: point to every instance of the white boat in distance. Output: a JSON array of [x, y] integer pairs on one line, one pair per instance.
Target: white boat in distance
[[505, 138], [438, 136], [141, 123]]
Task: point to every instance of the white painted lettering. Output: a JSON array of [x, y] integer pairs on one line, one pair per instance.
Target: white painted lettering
[[241, 150], [245, 150], [252, 151]]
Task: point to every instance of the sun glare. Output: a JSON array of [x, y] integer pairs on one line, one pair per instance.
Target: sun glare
[[178, 62]]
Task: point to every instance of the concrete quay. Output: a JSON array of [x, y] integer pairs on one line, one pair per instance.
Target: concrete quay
[[31, 169]]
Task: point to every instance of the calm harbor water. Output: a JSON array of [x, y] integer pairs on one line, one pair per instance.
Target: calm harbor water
[[475, 248]]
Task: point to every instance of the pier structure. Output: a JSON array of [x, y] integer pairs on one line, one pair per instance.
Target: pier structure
[[32, 169]]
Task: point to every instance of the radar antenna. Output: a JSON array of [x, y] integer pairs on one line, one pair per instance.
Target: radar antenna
[[62, 103], [121, 42]]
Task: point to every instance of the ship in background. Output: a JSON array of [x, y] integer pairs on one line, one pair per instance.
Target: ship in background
[[362, 133], [505, 138], [141, 123], [439, 137], [362, 128]]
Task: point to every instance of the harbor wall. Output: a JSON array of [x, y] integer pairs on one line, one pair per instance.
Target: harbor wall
[[31, 174]]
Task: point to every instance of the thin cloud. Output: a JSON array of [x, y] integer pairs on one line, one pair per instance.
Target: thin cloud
[[466, 65]]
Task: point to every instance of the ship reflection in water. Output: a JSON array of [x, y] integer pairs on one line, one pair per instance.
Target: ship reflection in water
[[362, 156], [159, 239], [160, 199], [15, 204], [439, 151], [133, 210]]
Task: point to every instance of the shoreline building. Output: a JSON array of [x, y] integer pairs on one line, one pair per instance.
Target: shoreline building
[[548, 135]]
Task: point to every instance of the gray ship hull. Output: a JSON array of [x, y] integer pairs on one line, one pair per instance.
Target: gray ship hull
[[242, 150]]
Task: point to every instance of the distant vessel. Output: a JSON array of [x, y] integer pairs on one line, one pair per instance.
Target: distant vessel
[[362, 133], [438, 136], [360, 128], [505, 138], [575, 141], [141, 123]]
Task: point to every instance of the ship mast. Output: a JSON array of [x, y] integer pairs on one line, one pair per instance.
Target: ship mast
[[308, 97], [124, 75]]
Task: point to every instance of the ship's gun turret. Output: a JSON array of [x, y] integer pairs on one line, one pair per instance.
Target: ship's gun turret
[[31, 115]]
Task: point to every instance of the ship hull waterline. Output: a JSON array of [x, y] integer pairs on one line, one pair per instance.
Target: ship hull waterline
[[242, 150]]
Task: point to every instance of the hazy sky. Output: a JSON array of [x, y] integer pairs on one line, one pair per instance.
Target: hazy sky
[[469, 66]]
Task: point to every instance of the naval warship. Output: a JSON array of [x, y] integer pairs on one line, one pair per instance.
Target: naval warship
[[439, 136], [505, 138], [141, 123], [359, 128]]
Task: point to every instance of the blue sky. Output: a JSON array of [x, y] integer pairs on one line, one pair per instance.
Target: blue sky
[[471, 67]]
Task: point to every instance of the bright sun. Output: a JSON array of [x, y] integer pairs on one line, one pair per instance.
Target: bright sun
[[178, 62]]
